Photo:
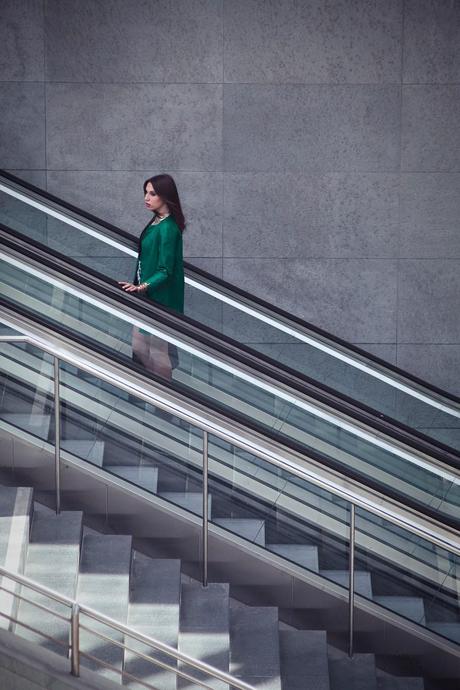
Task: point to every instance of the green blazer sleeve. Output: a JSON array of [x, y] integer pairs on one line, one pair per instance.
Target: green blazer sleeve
[[166, 257]]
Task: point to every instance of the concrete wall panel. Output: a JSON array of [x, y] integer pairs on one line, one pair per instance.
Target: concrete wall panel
[[136, 41], [311, 128], [430, 130], [335, 215], [22, 132], [429, 299], [345, 41], [430, 215], [21, 41], [134, 126], [432, 37]]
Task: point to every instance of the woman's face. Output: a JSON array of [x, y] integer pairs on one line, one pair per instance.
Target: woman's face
[[152, 201]]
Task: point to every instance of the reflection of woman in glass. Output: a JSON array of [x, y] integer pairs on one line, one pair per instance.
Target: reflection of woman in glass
[[160, 270]]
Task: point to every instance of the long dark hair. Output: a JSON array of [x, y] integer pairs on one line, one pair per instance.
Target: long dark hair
[[165, 187]]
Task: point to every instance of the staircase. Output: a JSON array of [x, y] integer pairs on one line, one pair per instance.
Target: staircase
[[153, 596]]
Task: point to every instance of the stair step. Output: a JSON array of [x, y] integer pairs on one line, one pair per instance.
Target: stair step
[[254, 646], [52, 560], [16, 400], [363, 582], [252, 530], [36, 424], [190, 500], [145, 477], [386, 681], [92, 451], [205, 630], [306, 556], [103, 584], [358, 673], [409, 607], [15, 514], [303, 658], [153, 611], [449, 630]]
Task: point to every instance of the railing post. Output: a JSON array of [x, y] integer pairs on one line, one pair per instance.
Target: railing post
[[205, 508], [57, 434], [75, 641], [351, 582]]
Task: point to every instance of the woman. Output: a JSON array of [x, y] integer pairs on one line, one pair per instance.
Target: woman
[[160, 270]]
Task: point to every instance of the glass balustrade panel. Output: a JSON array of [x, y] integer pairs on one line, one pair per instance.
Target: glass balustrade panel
[[312, 429]]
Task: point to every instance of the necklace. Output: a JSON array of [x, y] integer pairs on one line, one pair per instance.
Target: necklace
[[157, 219]]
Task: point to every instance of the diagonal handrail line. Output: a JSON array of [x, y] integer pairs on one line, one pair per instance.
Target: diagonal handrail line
[[303, 331], [126, 630], [448, 540], [258, 380]]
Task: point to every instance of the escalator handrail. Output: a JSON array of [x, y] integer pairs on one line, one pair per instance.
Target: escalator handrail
[[132, 243], [234, 421], [56, 263]]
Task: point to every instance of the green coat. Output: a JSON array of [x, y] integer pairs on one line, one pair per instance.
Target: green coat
[[160, 264]]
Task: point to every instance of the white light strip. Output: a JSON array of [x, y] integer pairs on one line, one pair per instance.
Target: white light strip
[[287, 397], [70, 221], [366, 368], [325, 348]]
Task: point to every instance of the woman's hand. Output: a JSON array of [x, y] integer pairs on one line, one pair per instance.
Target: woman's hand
[[130, 287]]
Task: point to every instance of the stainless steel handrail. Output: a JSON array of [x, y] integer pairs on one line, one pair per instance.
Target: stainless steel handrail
[[380, 510], [251, 442], [303, 335], [243, 372], [77, 609]]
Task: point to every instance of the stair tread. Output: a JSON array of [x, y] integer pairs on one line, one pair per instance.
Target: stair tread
[[254, 645], [103, 584], [92, 451], [386, 681], [15, 511], [37, 424], [52, 560], [154, 611], [302, 554], [303, 658], [363, 582], [205, 629], [145, 477], [190, 500], [358, 673], [251, 529], [449, 630], [409, 607]]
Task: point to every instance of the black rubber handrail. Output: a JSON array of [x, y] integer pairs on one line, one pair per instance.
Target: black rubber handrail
[[132, 241], [53, 260]]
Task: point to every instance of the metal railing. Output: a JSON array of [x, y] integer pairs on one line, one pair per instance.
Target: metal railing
[[401, 517], [75, 626], [246, 374]]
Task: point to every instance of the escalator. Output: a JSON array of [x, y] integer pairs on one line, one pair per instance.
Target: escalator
[[288, 453], [312, 357], [412, 453]]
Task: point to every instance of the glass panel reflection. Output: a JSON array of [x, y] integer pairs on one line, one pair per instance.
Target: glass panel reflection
[[314, 431], [409, 575], [246, 328], [277, 510]]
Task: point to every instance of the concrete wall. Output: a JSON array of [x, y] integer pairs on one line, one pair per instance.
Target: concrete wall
[[316, 146]]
